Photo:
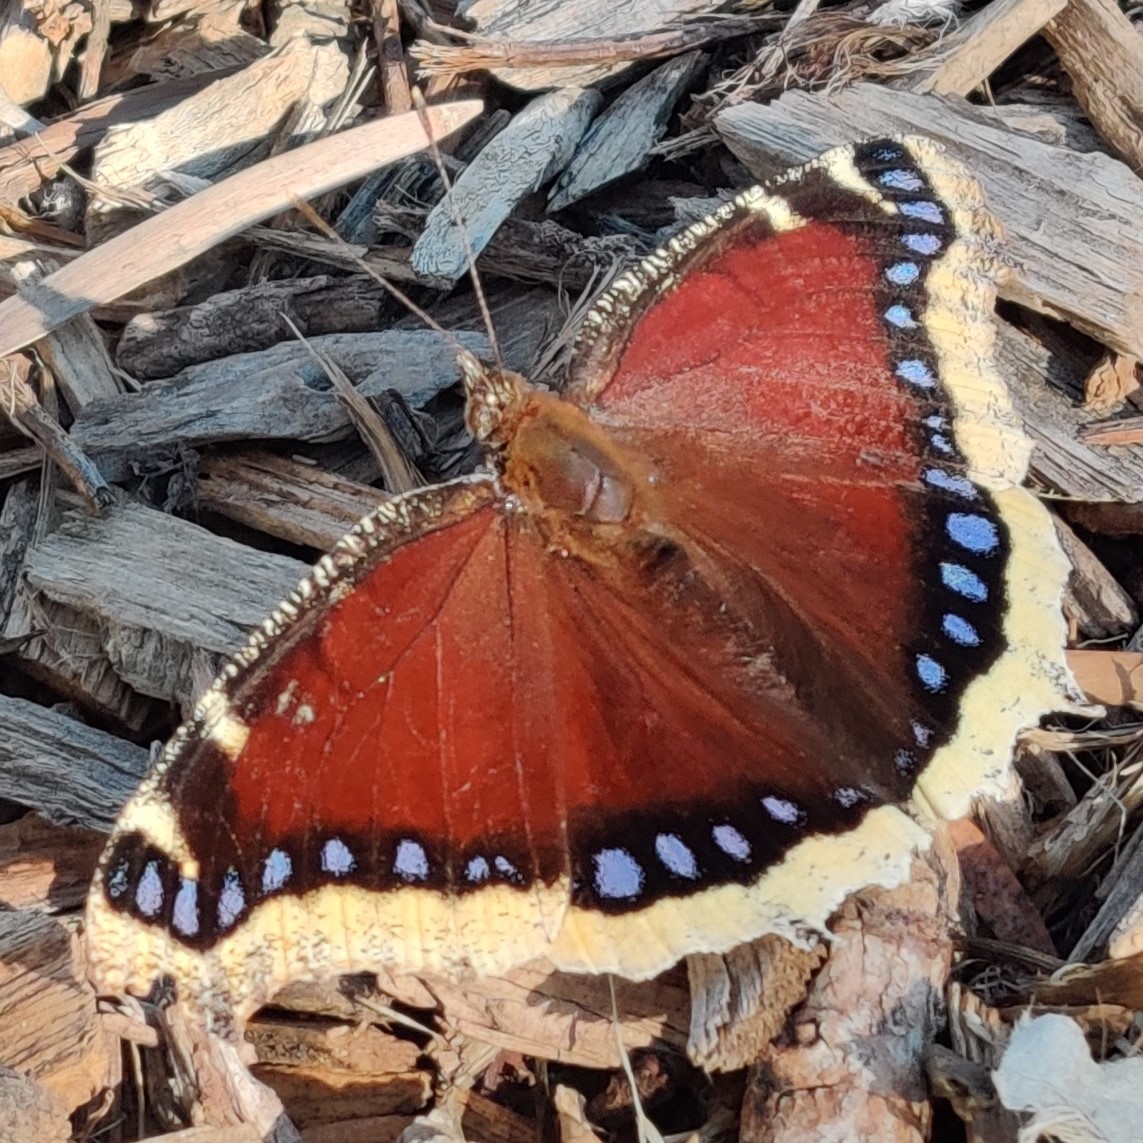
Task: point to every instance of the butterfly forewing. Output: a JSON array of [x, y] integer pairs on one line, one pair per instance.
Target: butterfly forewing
[[810, 371]]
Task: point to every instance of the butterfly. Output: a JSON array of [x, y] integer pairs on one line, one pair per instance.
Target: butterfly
[[704, 647]]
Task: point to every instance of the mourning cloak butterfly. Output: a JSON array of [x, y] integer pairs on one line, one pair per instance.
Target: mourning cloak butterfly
[[659, 680]]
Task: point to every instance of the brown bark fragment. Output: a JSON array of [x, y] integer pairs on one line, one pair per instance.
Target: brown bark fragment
[[852, 1066], [1111, 677], [1102, 51], [317, 1095], [1110, 383], [28, 1112], [48, 1024], [991, 890], [741, 1000], [46, 866]]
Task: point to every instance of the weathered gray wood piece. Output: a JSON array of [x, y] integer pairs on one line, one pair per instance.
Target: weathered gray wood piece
[[620, 140], [55, 644], [525, 321], [18, 511], [75, 353], [202, 137], [546, 252], [1094, 598], [1057, 122], [1046, 383], [560, 20], [67, 771], [276, 393], [529, 152], [169, 598], [1073, 220], [17, 461], [246, 320], [282, 497], [1120, 897]]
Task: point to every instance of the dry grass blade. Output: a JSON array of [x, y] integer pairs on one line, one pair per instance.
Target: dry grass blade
[[645, 1130], [169, 240], [396, 469], [826, 50]]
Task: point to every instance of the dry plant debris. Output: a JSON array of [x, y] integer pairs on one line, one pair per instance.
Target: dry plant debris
[[172, 453]]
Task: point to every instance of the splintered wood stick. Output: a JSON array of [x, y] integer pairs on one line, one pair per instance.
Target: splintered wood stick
[[967, 57], [393, 77], [479, 52], [1102, 52], [168, 240], [19, 402]]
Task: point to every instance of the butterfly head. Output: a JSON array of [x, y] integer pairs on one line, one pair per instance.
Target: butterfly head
[[493, 399]]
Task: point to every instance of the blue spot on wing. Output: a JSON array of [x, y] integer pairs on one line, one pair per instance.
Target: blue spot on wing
[[974, 533], [618, 876], [965, 582], [916, 373], [903, 273], [923, 209], [901, 317], [927, 244], [960, 631], [931, 673]]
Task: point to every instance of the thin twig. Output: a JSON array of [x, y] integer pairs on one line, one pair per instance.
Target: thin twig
[[24, 410]]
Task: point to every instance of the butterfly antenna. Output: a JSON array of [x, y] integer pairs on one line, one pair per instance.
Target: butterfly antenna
[[421, 108], [489, 394], [394, 291]]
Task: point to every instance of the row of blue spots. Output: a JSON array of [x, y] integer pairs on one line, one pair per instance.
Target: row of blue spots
[[410, 863], [618, 876], [973, 532], [979, 535]]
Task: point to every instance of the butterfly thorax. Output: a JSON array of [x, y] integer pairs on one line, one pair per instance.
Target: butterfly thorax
[[550, 453], [561, 462]]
